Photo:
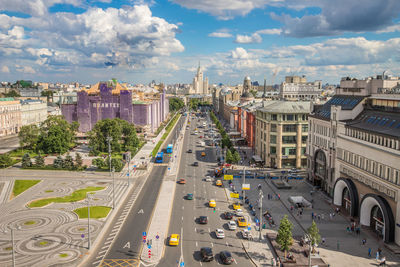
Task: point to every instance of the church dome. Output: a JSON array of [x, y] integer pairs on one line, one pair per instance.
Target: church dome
[[247, 78]]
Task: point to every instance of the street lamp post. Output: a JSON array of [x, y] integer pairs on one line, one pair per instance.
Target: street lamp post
[[308, 237], [113, 170], [244, 181], [109, 139], [12, 241], [129, 161], [260, 203], [88, 210]]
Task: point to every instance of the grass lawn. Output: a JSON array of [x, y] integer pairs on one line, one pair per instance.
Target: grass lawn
[[75, 196], [29, 222], [18, 153], [63, 255], [21, 185], [96, 212]]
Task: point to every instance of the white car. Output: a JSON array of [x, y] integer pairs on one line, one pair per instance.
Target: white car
[[246, 234], [239, 212], [208, 179], [232, 225], [220, 233]]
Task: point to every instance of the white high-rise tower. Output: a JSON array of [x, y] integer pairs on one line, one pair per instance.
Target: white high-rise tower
[[200, 85]]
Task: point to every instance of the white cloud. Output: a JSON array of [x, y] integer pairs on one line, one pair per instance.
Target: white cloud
[[225, 9], [128, 37], [220, 34], [239, 53], [5, 69], [248, 39], [34, 7], [25, 69], [269, 31], [393, 28]]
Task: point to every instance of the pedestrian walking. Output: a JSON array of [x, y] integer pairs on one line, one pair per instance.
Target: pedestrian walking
[[383, 262], [377, 256], [312, 215], [273, 262], [364, 241], [319, 217], [322, 216], [369, 252], [323, 241]]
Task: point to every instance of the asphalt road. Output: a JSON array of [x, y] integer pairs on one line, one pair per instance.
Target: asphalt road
[[137, 221], [9, 143], [185, 212]]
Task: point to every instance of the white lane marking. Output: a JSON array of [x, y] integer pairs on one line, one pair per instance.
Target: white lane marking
[[194, 218], [201, 264], [195, 230], [209, 230], [235, 261], [227, 244], [183, 207], [212, 244], [182, 218], [197, 244]]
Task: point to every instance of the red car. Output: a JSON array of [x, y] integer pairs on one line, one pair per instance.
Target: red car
[[182, 181]]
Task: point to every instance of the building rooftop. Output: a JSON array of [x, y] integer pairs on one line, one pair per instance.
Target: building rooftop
[[279, 106], [345, 101], [382, 122]]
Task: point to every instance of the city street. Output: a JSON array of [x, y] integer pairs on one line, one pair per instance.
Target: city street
[[186, 212]]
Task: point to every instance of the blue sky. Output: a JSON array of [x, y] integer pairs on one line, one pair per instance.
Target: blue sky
[[140, 41]]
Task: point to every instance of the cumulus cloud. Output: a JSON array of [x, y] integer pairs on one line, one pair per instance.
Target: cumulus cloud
[[393, 28], [341, 16], [25, 69], [248, 39], [225, 9], [220, 34], [34, 7], [269, 31], [5, 69], [127, 37], [239, 53]]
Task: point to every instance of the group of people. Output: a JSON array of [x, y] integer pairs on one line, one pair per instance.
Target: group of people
[[276, 262]]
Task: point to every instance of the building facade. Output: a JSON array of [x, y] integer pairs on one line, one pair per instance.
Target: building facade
[[107, 100], [10, 116], [296, 87], [281, 133], [200, 83], [33, 111]]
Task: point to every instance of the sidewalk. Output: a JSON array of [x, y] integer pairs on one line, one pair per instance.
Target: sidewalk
[[259, 251], [158, 229]]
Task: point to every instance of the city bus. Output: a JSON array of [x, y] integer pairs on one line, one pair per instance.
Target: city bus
[[159, 157], [169, 149]]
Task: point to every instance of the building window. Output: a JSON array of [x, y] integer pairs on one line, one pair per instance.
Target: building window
[[289, 117], [273, 128], [272, 150], [289, 139], [272, 139], [274, 117], [304, 128], [289, 128], [304, 139]]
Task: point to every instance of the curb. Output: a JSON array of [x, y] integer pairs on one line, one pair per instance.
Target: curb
[[245, 251]]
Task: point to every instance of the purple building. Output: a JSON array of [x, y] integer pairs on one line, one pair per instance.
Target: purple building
[[107, 100]]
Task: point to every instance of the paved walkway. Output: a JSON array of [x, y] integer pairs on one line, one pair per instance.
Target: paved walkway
[[163, 207]]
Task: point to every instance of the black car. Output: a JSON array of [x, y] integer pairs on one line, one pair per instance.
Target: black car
[[226, 257], [195, 164], [203, 220], [206, 254], [228, 215], [190, 151]]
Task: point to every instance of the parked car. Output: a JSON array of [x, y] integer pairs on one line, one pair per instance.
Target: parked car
[[206, 254], [196, 164], [219, 233], [242, 222], [246, 234], [228, 215], [189, 151], [239, 212], [212, 203], [189, 196], [226, 257], [182, 181], [232, 225], [203, 220], [208, 179]]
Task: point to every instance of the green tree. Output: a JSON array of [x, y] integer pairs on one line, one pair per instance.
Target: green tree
[[314, 235], [229, 156], [78, 160], [99, 163], [58, 162], [28, 136], [48, 94], [39, 160], [56, 135], [175, 104], [236, 157], [284, 237], [12, 93], [123, 136], [5, 160], [253, 92], [115, 163], [68, 162], [26, 161]]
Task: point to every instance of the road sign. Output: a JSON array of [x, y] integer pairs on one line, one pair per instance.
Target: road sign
[[249, 228], [149, 246], [169, 168], [245, 186], [234, 195], [256, 220], [228, 177], [134, 166], [157, 236], [144, 234], [127, 174], [144, 240], [182, 264], [82, 235]]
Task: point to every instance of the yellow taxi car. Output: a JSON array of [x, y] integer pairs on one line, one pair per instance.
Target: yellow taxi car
[[212, 203], [242, 222], [174, 240], [236, 206], [218, 183], [203, 154]]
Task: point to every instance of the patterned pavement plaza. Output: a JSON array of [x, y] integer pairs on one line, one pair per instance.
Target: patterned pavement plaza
[[51, 235]]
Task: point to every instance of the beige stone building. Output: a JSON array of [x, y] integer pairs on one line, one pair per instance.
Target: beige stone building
[[33, 111], [296, 87], [281, 133], [10, 116]]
